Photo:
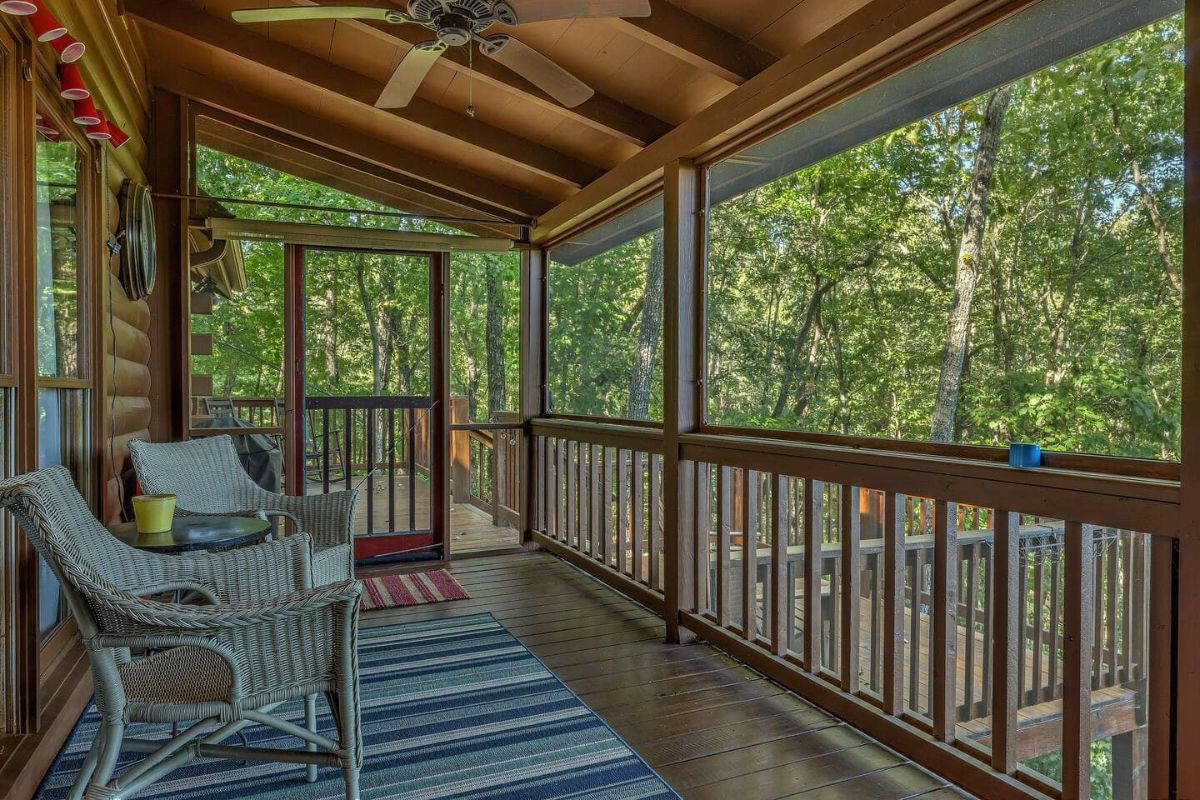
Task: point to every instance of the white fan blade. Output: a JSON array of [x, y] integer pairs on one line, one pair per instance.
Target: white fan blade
[[407, 78], [540, 10], [312, 12], [538, 70]]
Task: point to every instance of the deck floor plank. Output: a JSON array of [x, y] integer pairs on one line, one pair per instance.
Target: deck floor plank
[[712, 727]]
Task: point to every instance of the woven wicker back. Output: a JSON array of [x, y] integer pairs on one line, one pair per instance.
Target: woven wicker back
[[205, 474], [89, 561]]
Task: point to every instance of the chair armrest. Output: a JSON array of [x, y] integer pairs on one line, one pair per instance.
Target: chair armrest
[[327, 518], [246, 575]]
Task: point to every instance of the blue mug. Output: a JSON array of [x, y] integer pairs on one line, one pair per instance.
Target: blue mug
[[1024, 455]]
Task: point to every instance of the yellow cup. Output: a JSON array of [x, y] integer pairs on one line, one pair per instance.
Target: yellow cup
[[154, 512]]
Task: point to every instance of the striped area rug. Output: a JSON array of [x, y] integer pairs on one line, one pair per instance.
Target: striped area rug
[[452, 709], [411, 589]]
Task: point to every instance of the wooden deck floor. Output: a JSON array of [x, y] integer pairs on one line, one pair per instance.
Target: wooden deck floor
[[710, 726], [471, 529]]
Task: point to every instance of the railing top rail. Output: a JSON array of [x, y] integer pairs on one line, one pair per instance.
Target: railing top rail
[[628, 437], [1142, 504], [368, 402]]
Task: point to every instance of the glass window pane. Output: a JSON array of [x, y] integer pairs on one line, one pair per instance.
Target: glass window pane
[[64, 434], [59, 325]]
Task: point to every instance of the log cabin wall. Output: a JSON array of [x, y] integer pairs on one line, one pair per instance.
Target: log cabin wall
[[115, 68]]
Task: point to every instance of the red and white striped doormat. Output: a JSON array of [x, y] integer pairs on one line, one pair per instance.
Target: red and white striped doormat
[[411, 589]]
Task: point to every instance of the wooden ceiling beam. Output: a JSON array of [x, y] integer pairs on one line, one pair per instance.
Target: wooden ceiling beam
[[423, 174], [252, 142], [602, 113], [214, 33], [698, 42], [877, 41]]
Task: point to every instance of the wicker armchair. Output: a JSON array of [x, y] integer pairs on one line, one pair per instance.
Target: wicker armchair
[[266, 639], [207, 477]]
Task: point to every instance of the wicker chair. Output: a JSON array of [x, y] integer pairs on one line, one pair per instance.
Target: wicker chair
[[207, 477], [267, 638]]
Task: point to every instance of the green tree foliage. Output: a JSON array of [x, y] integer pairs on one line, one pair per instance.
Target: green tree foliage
[[367, 314], [829, 289]]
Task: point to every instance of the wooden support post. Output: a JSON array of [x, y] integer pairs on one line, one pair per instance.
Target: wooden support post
[[460, 451], [439, 415], [294, 387], [945, 619], [1006, 640], [1079, 601], [533, 377], [683, 373]]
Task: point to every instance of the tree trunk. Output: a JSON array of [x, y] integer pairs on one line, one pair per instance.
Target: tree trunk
[[649, 334], [331, 338], [967, 266], [794, 371], [372, 323], [495, 340]]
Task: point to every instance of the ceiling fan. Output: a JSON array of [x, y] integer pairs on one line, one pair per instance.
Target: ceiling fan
[[459, 22]]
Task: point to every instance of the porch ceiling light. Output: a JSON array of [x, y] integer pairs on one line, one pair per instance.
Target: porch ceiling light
[[100, 131], [46, 25], [86, 113], [20, 8], [70, 83], [69, 48]]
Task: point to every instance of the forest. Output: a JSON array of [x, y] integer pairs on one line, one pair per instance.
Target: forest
[[1005, 270]]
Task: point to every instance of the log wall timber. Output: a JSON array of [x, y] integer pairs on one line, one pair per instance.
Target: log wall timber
[[115, 70]]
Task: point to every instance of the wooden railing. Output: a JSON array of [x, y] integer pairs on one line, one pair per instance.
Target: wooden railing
[[483, 475], [973, 616]]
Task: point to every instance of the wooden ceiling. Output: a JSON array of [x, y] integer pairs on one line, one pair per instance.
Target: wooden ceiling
[[664, 85]]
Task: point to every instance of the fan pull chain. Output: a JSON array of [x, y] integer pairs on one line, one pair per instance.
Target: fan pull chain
[[471, 80]]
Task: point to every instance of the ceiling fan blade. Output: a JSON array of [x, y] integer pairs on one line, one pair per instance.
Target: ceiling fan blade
[[312, 12], [537, 69], [541, 10], [409, 74]]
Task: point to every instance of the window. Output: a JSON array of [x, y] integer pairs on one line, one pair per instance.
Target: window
[[63, 391], [1005, 268], [605, 319]]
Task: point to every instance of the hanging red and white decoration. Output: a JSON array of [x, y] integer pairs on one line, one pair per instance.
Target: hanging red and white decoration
[[72, 86]]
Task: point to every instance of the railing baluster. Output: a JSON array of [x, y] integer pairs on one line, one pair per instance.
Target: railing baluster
[[916, 629], [606, 499], [1022, 601], [894, 515], [637, 501], [348, 453], [1112, 557], [781, 583], [572, 521], [655, 539], [989, 600], [945, 619], [369, 432], [749, 554], [391, 449], [970, 597], [851, 534], [622, 511], [324, 454], [1006, 630], [703, 523], [814, 525], [1039, 589], [724, 565], [1079, 598], [595, 494], [411, 467], [1127, 546]]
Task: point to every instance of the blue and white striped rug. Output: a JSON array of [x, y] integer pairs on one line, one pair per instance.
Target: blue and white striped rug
[[453, 708]]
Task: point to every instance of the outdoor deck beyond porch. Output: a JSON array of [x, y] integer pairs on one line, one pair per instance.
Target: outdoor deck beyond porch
[[710, 726]]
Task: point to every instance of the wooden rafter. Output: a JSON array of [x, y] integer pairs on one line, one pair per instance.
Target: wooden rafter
[[216, 34], [602, 113], [254, 142], [698, 42], [422, 174]]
